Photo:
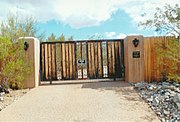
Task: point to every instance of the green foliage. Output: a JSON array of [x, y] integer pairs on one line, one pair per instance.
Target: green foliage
[[52, 38], [169, 58], [61, 38], [14, 27], [165, 20], [70, 38], [13, 67]]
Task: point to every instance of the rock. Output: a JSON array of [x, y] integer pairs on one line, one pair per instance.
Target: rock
[[178, 106], [176, 114], [169, 87], [6, 90], [1, 98], [1, 94], [178, 91], [163, 98], [163, 120], [176, 84], [167, 94], [140, 85], [151, 87], [0, 108], [166, 112], [176, 98], [1, 89], [165, 83], [155, 102], [149, 99], [172, 93]]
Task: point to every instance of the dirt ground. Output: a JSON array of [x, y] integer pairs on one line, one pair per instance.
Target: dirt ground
[[102, 101], [11, 97]]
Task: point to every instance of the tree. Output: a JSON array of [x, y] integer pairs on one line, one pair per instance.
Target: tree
[[70, 38], [167, 20], [52, 38], [61, 38], [13, 67], [14, 27]]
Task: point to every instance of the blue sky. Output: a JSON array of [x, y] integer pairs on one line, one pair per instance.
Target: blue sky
[[83, 19], [119, 24]]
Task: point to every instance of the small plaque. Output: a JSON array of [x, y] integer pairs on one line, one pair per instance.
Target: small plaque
[[136, 54]]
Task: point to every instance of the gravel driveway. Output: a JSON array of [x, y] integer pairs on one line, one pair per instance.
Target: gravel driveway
[[103, 101]]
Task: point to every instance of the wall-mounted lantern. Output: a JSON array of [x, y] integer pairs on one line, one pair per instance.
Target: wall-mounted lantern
[[136, 42], [26, 45]]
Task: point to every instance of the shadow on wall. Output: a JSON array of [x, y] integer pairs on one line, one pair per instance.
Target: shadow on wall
[[123, 89]]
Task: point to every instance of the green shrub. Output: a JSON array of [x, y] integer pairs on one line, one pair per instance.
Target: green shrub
[[169, 58], [13, 68]]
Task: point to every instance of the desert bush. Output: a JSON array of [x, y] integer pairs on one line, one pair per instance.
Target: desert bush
[[13, 68], [169, 58]]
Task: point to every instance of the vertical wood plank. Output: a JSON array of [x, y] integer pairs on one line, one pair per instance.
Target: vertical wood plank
[[110, 68], [63, 61], [96, 59], [50, 64], [102, 58], [70, 60], [55, 62], [87, 59], [99, 55], [46, 61], [118, 61], [81, 59], [43, 61], [107, 48], [73, 60], [121, 58], [90, 60], [93, 60], [113, 59], [75, 52], [67, 60]]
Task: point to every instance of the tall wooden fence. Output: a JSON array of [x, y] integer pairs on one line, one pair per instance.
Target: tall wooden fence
[[153, 69]]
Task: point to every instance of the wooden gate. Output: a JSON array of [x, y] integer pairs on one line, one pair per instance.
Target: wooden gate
[[71, 60]]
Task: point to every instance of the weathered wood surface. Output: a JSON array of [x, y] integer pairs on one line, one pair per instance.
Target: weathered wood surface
[[152, 68], [67, 54]]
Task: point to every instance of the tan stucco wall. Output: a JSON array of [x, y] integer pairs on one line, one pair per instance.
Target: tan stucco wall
[[134, 67], [32, 57]]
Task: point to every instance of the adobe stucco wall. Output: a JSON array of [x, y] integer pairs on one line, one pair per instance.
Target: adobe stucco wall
[[134, 67], [32, 57]]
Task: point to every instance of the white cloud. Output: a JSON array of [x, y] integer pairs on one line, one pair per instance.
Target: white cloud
[[140, 10], [80, 13], [121, 36], [76, 13], [114, 35], [110, 34]]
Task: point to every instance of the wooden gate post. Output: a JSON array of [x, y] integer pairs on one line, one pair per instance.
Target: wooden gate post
[[134, 58], [32, 57]]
